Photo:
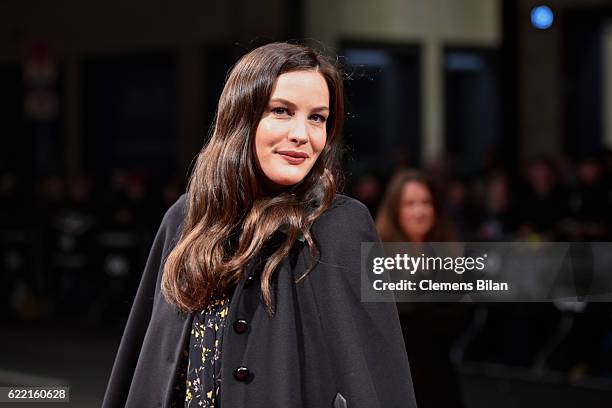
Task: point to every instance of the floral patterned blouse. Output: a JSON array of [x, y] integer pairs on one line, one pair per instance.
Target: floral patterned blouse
[[198, 381]]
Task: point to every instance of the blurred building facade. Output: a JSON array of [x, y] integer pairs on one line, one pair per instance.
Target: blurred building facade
[[437, 58]]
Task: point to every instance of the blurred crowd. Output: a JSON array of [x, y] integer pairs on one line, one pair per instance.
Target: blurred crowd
[[75, 246], [548, 199]]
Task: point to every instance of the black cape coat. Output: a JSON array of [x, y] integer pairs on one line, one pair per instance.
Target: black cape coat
[[322, 348]]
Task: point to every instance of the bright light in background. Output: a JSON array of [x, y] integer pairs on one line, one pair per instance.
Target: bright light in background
[[542, 17]]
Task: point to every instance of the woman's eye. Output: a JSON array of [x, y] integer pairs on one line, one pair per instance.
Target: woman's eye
[[280, 111], [319, 118]]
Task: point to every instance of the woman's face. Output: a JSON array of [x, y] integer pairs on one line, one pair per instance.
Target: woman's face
[[292, 133], [416, 211]]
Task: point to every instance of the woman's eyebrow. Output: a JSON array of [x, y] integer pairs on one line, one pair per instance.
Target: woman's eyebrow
[[293, 106]]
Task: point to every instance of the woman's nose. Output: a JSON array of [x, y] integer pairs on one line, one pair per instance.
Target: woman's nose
[[299, 132], [420, 211]]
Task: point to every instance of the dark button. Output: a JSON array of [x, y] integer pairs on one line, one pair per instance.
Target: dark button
[[240, 326], [241, 374], [249, 280]]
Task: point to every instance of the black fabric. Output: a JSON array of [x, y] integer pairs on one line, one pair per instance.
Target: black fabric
[[321, 341], [204, 368]]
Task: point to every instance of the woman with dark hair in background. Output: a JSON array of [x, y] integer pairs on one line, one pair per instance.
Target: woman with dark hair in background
[[410, 212], [250, 296]]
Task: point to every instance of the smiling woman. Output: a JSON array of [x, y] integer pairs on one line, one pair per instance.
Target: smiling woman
[[292, 132], [249, 296]]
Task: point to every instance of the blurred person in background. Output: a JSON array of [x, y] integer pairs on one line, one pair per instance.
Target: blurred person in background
[[248, 296], [588, 215], [498, 217], [543, 202], [367, 189], [410, 212], [460, 208]]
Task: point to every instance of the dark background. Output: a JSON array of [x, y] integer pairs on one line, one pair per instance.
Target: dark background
[[105, 105]]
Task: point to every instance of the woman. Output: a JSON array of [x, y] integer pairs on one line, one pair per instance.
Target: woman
[[410, 212], [253, 280]]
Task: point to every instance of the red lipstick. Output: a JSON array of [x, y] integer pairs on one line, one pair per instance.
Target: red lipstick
[[293, 157]]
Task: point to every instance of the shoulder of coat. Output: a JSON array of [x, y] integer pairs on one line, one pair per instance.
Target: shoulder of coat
[[175, 215], [179, 208], [344, 208], [346, 203]]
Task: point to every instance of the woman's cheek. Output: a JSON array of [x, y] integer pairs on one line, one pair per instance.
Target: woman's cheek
[[320, 141], [277, 127]]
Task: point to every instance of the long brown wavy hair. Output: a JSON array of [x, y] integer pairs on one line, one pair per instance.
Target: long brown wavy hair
[[387, 218], [229, 216]]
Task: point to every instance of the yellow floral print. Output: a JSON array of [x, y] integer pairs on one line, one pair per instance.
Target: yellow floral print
[[200, 372]]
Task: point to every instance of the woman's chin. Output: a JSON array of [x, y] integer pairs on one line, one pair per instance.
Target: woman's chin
[[287, 179], [277, 184]]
